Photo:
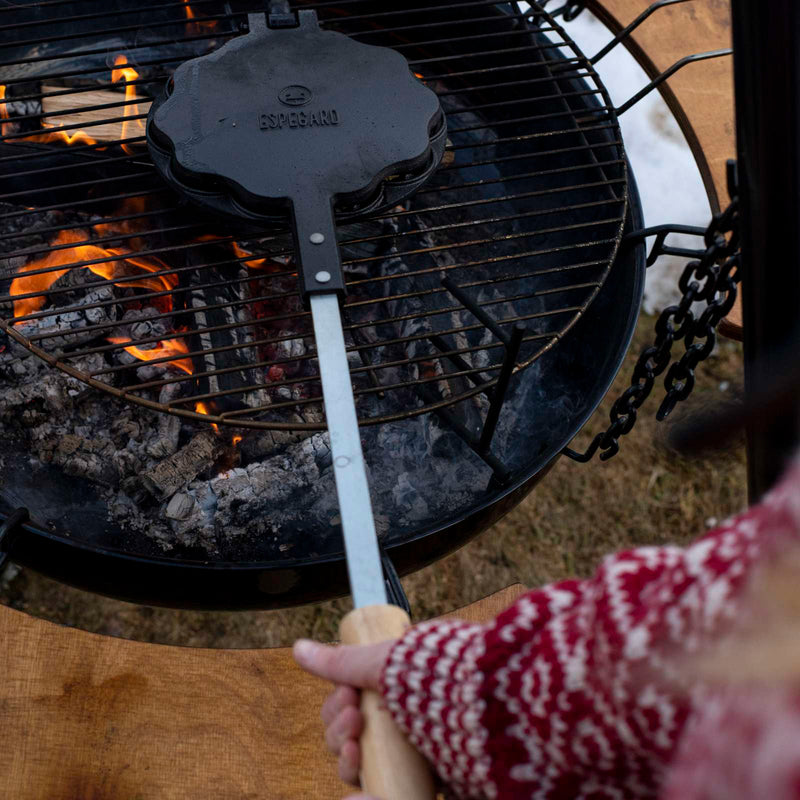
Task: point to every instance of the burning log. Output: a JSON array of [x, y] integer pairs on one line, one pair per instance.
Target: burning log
[[54, 103], [172, 474]]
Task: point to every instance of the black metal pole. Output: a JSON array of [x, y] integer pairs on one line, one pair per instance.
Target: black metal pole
[[767, 76]]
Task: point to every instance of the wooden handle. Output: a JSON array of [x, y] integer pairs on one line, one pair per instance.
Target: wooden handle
[[391, 768]]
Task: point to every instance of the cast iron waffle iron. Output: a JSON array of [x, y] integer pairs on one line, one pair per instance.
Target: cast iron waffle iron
[[290, 120]]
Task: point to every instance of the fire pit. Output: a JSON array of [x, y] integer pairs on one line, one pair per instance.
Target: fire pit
[[160, 394]]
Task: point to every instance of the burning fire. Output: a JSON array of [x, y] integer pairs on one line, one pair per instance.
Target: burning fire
[[134, 207], [129, 127], [77, 137], [256, 263], [68, 137], [110, 270], [202, 408], [207, 409], [3, 109], [193, 24], [169, 348], [240, 252]]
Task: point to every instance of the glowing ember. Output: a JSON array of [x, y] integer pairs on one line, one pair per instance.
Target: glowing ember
[[130, 127], [169, 348], [110, 270], [237, 440], [203, 408]]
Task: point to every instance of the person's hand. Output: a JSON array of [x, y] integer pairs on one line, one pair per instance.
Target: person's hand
[[350, 667]]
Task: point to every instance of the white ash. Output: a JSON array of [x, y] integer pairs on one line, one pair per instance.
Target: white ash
[[284, 485], [139, 323], [9, 573], [22, 232], [261, 444], [168, 429], [66, 329], [250, 500], [19, 108], [112, 444]]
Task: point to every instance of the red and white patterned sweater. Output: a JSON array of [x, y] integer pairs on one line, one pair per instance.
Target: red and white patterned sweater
[[566, 694]]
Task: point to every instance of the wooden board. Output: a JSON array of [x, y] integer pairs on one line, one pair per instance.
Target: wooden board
[[88, 717], [700, 95]]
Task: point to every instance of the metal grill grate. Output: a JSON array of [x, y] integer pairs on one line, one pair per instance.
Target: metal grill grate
[[107, 276]]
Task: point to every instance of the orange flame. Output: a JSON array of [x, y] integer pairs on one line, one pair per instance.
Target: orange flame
[[193, 23], [3, 109], [130, 127], [238, 250], [110, 270], [202, 408], [130, 206], [169, 348], [237, 440], [78, 137], [68, 137], [256, 263]]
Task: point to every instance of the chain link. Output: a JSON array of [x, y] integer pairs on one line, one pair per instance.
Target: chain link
[[713, 278]]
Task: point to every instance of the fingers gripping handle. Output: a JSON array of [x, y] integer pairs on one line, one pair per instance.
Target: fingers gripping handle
[[391, 768]]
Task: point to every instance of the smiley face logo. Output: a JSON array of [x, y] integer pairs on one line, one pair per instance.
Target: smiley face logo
[[295, 96]]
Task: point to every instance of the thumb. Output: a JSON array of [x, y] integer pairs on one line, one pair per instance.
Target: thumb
[[352, 665]]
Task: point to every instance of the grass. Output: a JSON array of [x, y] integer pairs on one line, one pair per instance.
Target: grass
[[576, 515]]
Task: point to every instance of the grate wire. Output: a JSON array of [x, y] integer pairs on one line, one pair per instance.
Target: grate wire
[[525, 216]]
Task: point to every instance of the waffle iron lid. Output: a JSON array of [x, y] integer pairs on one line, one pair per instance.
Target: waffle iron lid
[[292, 113]]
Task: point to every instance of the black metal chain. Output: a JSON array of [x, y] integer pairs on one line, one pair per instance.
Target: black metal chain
[[712, 278]]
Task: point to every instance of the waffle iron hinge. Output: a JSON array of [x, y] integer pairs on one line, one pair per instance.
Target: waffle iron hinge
[[281, 16]]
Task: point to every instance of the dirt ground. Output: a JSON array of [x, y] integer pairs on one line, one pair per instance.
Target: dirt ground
[[577, 514]]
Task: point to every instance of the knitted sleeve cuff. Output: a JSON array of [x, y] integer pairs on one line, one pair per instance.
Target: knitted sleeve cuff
[[432, 686]]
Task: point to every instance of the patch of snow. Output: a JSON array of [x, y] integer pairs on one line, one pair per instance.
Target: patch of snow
[[669, 182]]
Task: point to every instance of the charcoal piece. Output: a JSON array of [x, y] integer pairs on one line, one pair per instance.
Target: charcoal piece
[[176, 471], [168, 429], [180, 506], [66, 330], [20, 228], [365, 240]]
